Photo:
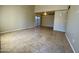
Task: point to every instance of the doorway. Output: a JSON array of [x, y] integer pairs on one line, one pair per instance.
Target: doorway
[[37, 21], [42, 20]]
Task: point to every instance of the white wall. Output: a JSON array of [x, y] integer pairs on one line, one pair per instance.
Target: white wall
[[72, 31], [60, 20], [0, 18], [44, 8], [16, 17], [47, 20]]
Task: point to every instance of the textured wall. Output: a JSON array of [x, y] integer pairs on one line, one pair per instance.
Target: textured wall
[[72, 30], [48, 20], [60, 20], [16, 17]]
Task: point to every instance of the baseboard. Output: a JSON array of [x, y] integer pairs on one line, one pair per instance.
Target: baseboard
[[70, 43], [15, 30], [46, 26]]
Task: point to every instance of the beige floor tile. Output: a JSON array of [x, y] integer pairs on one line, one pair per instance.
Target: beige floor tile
[[36, 40]]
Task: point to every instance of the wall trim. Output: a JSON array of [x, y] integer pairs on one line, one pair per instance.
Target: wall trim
[[70, 43], [16, 30]]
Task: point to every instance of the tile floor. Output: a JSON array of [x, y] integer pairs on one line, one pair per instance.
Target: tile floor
[[35, 40]]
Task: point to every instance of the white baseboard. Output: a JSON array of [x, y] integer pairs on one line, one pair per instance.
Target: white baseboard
[[15, 30], [70, 43]]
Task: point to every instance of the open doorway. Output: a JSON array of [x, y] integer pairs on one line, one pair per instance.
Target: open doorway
[[42, 20], [37, 21]]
